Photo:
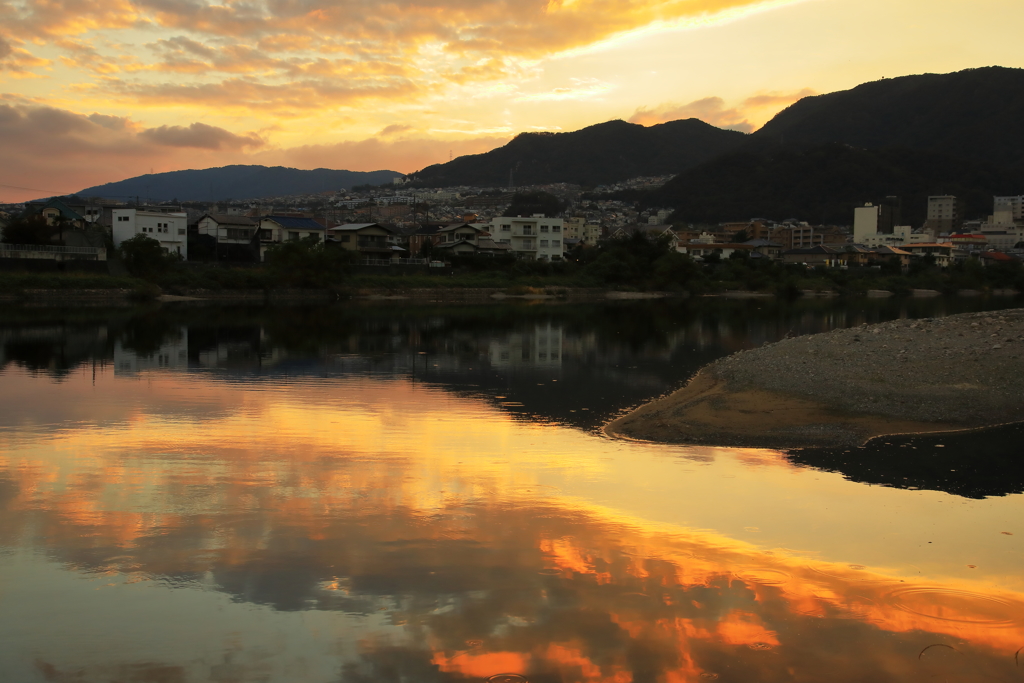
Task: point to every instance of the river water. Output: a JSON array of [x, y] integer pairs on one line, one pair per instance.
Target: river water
[[391, 492]]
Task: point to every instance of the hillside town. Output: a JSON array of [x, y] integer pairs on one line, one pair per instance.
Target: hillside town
[[400, 226]]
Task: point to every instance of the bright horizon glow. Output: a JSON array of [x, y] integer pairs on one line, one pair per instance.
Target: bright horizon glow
[[104, 91]]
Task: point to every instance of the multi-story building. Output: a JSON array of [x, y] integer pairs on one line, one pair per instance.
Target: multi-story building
[[803, 236], [578, 228], [944, 214], [169, 229], [535, 238], [1013, 205]]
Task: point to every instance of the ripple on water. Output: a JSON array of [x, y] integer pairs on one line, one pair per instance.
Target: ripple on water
[[950, 604], [857, 573], [507, 678], [765, 577]]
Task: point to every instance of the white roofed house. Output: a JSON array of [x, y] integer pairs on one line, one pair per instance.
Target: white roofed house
[[169, 229]]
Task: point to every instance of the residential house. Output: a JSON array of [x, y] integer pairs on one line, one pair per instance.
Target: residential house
[[169, 229], [468, 238], [372, 240], [989, 258], [891, 255], [56, 212], [235, 235], [819, 255], [941, 252], [534, 238], [276, 229], [767, 248], [426, 234]]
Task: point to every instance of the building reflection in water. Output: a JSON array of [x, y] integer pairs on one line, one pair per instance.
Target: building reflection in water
[[170, 354], [370, 498]]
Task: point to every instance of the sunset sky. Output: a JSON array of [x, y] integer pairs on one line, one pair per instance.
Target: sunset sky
[[95, 91]]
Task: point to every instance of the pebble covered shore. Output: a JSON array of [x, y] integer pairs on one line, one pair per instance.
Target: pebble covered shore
[[842, 387]]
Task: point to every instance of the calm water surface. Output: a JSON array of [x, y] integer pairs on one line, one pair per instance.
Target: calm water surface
[[399, 493]]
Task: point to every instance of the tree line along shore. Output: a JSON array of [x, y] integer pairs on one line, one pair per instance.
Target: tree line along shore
[[636, 264]]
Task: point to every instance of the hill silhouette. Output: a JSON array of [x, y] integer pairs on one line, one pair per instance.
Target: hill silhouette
[[599, 154], [236, 182], [913, 137], [824, 183], [973, 114]]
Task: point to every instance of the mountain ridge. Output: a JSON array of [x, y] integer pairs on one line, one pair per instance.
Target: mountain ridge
[[599, 154], [912, 137], [236, 181]]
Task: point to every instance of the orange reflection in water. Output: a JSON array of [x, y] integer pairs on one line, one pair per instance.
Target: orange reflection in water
[[484, 569]]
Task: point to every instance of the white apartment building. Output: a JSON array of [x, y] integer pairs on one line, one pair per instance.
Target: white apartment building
[[902, 235], [536, 238], [169, 229], [865, 222]]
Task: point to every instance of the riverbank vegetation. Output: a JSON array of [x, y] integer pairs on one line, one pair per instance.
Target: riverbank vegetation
[[635, 264]]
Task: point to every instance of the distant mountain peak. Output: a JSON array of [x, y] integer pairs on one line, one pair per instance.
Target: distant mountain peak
[[599, 154], [237, 181]]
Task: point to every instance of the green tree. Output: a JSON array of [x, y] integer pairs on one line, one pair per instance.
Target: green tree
[[144, 257], [310, 263], [28, 230]]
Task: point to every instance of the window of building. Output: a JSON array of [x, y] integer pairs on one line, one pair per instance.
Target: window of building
[[293, 236], [346, 238], [181, 231], [556, 228], [556, 243], [506, 228], [543, 228], [543, 244]]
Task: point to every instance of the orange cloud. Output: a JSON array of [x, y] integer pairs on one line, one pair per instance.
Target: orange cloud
[[16, 60], [100, 148], [714, 111]]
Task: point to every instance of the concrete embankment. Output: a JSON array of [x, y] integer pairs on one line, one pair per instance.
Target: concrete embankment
[[846, 386]]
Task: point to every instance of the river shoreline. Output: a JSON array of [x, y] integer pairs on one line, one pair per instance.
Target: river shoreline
[[844, 387]]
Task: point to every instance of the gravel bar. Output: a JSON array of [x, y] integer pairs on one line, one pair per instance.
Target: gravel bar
[[843, 387]]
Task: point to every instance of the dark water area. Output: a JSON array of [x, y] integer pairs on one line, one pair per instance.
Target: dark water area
[[390, 492], [974, 464]]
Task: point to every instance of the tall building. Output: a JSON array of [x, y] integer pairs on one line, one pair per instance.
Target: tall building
[[944, 214], [865, 222], [1015, 205]]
